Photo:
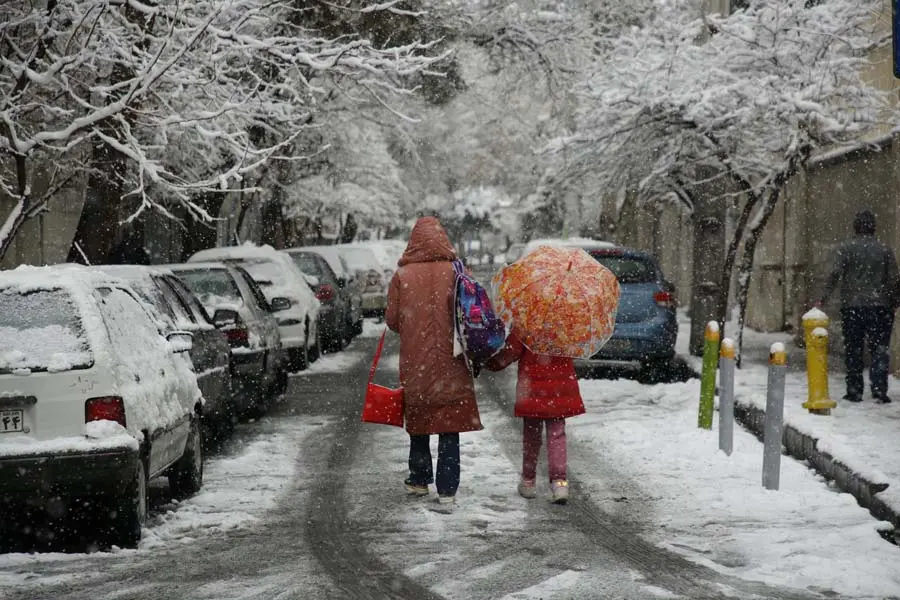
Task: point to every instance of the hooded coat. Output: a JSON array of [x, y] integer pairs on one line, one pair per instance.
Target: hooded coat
[[439, 393], [547, 387]]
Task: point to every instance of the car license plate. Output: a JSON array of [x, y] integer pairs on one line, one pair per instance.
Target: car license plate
[[12, 421], [617, 346]]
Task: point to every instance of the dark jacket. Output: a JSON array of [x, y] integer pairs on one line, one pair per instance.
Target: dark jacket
[[866, 271], [439, 392]]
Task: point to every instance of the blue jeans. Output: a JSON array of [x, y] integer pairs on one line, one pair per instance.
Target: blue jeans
[[858, 324], [420, 465]]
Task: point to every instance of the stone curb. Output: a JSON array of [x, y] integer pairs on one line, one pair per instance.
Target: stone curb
[[805, 447]]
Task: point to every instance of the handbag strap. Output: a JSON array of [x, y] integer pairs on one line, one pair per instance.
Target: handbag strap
[[377, 355]]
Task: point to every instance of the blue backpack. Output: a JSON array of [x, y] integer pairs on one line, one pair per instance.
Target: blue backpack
[[481, 332]]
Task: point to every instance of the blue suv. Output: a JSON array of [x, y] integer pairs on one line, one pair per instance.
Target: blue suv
[[646, 324]]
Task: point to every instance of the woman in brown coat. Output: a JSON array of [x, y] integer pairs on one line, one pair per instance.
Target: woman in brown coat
[[438, 390]]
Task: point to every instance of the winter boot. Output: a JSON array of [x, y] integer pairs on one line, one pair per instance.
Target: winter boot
[[527, 488], [560, 491]]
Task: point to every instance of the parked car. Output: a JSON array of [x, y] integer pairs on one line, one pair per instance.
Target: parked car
[[646, 323], [287, 292], [177, 309], [386, 252], [342, 271], [94, 402], [240, 309], [335, 318], [371, 278]]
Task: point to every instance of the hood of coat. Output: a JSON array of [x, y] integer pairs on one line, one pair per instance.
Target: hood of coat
[[428, 242]]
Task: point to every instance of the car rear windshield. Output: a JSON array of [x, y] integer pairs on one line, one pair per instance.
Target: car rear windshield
[[628, 269], [308, 264], [41, 331], [267, 274], [361, 260], [212, 286]]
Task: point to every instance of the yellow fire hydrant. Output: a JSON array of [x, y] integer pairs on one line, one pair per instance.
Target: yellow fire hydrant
[[815, 330]]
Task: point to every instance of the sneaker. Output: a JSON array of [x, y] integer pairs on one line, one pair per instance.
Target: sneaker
[[445, 504], [881, 397], [527, 488], [415, 489], [560, 490]]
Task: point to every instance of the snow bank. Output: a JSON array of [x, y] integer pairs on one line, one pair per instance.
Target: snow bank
[[237, 491], [713, 508], [333, 363]]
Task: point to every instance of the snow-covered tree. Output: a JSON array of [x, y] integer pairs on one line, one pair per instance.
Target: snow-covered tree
[[734, 103], [181, 98]]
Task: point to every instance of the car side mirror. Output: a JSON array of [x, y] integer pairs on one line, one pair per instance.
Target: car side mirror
[[225, 317], [279, 304], [181, 341]]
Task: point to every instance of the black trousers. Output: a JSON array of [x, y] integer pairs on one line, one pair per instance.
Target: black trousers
[[874, 324]]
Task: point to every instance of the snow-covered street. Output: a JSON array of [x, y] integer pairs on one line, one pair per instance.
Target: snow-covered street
[[309, 502]]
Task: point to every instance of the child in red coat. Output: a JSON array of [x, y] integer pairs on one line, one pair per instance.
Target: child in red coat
[[546, 394]]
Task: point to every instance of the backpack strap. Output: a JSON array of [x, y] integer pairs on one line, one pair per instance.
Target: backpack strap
[[377, 356], [459, 268]]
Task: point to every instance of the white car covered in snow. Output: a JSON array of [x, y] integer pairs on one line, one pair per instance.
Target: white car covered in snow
[[287, 291], [94, 402]]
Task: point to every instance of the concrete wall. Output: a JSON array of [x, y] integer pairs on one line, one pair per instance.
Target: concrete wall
[[796, 252]]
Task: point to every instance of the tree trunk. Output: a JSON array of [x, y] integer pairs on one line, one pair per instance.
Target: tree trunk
[[272, 224], [747, 260], [19, 213], [201, 235], [734, 246], [100, 218], [707, 295]]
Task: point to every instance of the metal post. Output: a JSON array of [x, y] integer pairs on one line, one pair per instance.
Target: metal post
[[774, 426], [708, 377], [726, 396], [815, 324]]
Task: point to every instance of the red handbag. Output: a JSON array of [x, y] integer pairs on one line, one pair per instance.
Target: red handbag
[[383, 405]]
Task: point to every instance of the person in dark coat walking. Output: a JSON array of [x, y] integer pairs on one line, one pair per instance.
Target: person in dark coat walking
[[866, 272], [438, 390]]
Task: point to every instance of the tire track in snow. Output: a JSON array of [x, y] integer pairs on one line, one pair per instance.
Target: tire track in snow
[[336, 540], [619, 533]]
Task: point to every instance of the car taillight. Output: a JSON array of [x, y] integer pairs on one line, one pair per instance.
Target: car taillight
[[664, 299], [237, 336], [325, 292], [105, 408]]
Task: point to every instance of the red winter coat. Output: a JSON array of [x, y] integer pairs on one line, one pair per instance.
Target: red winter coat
[[438, 390], [547, 387]]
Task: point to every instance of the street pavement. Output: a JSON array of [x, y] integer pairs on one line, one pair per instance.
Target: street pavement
[[319, 512]]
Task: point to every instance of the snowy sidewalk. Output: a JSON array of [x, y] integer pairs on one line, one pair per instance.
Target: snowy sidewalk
[[713, 509], [861, 437]]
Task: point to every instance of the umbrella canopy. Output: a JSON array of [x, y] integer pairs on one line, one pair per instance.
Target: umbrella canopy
[[561, 301]]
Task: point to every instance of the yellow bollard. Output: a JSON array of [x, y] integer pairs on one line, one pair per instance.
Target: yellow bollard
[[815, 329]]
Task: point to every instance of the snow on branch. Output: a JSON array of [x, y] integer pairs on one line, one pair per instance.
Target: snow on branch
[[744, 95], [195, 95]]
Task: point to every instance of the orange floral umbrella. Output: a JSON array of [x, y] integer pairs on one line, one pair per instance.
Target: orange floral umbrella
[[561, 301]]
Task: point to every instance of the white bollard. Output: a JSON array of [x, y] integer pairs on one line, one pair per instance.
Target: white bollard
[[774, 426], [726, 396]]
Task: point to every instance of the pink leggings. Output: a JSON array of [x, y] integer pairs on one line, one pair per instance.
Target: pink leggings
[[556, 447]]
